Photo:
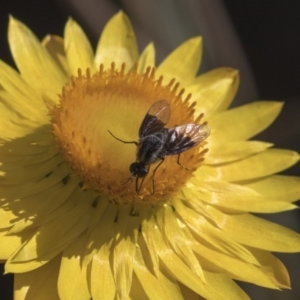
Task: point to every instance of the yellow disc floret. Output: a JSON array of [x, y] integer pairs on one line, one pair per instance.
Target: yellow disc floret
[[112, 100]]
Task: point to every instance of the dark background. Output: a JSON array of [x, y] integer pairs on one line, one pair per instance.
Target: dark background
[[270, 35], [268, 30]]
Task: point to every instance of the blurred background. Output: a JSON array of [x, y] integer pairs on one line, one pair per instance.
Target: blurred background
[[260, 38]]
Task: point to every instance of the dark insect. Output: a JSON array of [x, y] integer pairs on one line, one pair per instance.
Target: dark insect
[[156, 142]]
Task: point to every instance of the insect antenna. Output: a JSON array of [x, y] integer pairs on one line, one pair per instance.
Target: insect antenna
[[137, 187], [129, 178], [125, 142]]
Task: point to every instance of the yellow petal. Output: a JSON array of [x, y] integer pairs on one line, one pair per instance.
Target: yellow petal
[[106, 214], [30, 196], [23, 267], [206, 232], [124, 251], [55, 46], [149, 241], [233, 267], [189, 294], [117, 43], [226, 287], [7, 217], [57, 176], [175, 265], [35, 142], [102, 284], [55, 203], [56, 233], [256, 232], [243, 122], [26, 100], [33, 60], [231, 151], [236, 197], [278, 187], [156, 287], [32, 172], [223, 287], [273, 267], [9, 243], [38, 284], [12, 126], [178, 239], [78, 49], [26, 117], [214, 91], [263, 164], [27, 160], [71, 267], [147, 58], [137, 291], [183, 63]]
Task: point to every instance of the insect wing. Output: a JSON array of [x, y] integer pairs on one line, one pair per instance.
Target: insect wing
[[184, 137], [156, 118]]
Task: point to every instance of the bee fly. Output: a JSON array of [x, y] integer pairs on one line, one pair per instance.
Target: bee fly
[[156, 142]]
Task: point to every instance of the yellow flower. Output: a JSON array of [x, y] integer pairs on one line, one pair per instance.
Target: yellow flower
[[74, 227]]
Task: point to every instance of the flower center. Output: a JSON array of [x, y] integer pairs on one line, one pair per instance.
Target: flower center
[[92, 106]]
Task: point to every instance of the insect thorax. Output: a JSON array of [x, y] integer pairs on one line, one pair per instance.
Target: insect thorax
[[151, 147]]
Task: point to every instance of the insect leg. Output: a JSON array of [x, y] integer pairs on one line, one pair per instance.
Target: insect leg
[[178, 162], [136, 184], [162, 160], [125, 142]]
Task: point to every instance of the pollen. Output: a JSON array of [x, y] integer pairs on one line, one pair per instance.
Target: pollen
[[96, 112]]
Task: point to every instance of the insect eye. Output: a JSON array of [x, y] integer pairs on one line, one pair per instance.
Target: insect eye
[[138, 169]]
